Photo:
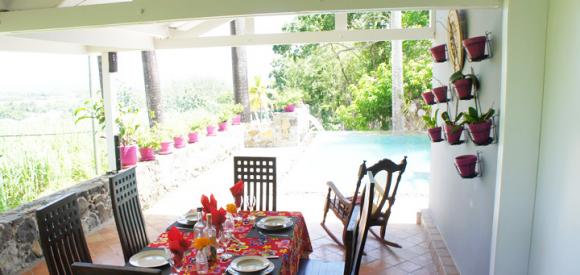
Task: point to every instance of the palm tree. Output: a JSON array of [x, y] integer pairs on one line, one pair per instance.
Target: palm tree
[[152, 87], [240, 71]]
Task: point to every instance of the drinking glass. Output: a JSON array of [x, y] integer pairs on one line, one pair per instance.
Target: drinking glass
[[252, 208], [176, 260]]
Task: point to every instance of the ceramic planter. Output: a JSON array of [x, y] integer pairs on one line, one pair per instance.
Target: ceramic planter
[[147, 154], [166, 148], [179, 142], [289, 108], [222, 126], [128, 155], [475, 47], [453, 134], [428, 97], [210, 130], [463, 88], [438, 53], [236, 120], [480, 132], [435, 134], [192, 137], [441, 94], [466, 165]]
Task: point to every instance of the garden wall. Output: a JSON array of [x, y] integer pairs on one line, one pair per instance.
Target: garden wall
[[19, 245]]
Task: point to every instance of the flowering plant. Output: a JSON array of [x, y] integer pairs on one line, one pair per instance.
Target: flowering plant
[[238, 192], [218, 216], [200, 243], [231, 208]]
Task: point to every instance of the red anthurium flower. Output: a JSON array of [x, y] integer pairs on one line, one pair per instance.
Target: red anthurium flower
[[174, 234], [237, 192], [205, 203], [212, 202], [218, 216], [175, 247]]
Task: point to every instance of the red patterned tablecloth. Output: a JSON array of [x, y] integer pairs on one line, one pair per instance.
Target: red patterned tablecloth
[[289, 250]]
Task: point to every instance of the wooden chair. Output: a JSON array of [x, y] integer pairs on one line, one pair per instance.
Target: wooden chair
[[385, 198], [355, 240], [127, 212], [340, 205], [259, 176], [61, 235], [79, 268]]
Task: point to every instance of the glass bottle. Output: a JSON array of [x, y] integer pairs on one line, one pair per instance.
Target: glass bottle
[[201, 264], [228, 225], [199, 225], [210, 233]]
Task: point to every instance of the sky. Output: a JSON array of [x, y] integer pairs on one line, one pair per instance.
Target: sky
[[23, 73]]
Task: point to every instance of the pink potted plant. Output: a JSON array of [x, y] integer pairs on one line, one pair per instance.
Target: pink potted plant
[[193, 135], [440, 94], [148, 143], [466, 165], [237, 109], [464, 84], [210, 126], [439, 53], [432, 129], [128, 127], [453, 128], [475, 47], [223, 118], [428, 97], [479, 125], [178, 141]]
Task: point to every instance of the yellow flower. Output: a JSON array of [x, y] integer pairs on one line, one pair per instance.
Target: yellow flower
[[200, 243], [231, 208]]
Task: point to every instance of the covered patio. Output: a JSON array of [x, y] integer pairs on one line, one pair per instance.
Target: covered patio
[[513, 215]]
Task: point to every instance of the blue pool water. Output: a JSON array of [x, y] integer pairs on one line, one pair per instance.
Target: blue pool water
[[336, 156]]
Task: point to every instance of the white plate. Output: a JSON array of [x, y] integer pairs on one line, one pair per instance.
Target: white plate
[[275, 222], [189, 219], [247, 264], [149, 258]]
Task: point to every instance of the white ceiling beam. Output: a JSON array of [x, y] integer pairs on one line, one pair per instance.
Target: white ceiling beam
[[341, 21], [155, 11], [297, 38], [199, 29], [104, 37], [154, 30], [17, 44]]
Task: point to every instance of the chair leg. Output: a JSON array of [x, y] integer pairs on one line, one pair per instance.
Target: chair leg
[[385, 242], [326, 205]]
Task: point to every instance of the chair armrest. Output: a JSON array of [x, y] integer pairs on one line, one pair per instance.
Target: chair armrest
[[332, 188]]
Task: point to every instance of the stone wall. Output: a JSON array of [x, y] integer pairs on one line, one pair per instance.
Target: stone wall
[[19, 245], [285, 129]]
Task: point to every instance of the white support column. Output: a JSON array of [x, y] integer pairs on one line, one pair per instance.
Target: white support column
[[250, 25], [397, 119], [110, 104], [340, 21]]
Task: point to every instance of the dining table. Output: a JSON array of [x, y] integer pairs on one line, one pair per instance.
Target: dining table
[[284, 248]]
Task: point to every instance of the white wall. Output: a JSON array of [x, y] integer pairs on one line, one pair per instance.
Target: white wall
[[463, 208], [556, 231]]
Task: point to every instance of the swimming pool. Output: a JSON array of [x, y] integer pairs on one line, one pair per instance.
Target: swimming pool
[[336, 156]]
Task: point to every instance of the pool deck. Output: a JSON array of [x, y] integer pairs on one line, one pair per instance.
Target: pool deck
[[299, 190]]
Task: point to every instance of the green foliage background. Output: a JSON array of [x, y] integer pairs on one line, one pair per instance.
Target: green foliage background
[[348, 85]]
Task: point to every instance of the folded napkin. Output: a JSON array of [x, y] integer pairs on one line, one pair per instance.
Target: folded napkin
[[238, 192]]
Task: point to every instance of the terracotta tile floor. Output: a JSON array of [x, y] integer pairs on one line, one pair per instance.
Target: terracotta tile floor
[[296, 192], [413, 258]]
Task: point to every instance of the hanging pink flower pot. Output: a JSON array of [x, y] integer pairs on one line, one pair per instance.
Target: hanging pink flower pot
[[222, 126], [463, 88], [435, 134], [466, 165], [480, 132], [236, 120], [210, 130], [166, 148], [475, 47], [453, 134], [179, 142], [147, 154], [428, 97], [438, 53], [289, 108], [128, 155], [192, 137], [441, 94]]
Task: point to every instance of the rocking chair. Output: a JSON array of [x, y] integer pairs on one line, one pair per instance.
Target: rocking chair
[[342, 206]]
